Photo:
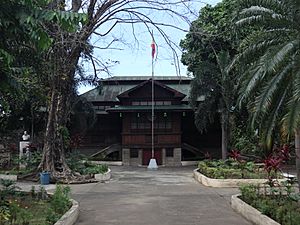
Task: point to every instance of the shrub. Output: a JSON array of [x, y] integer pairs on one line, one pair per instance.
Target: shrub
[[60, 201], [94, 169], [282, 208], [222, 169]]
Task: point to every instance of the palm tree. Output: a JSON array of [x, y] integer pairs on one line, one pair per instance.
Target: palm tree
[[270, 58]]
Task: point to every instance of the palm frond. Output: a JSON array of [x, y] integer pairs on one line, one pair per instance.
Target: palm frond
[[265, 98]]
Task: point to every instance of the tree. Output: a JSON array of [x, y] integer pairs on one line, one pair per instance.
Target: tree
[[102, 17], [270, 57], [23, 42], [208, 49]]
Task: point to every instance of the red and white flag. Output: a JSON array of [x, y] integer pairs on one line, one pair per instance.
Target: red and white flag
[[153, 47]]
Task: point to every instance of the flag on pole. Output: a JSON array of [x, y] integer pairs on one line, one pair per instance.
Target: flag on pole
[[153, 46]]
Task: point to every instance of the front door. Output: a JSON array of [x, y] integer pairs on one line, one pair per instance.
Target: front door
[[147, 155]]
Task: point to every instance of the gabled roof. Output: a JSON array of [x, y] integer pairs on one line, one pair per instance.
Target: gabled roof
[[110, 88], [176, 93]]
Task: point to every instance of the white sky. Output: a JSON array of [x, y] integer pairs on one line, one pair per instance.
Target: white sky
[[135, 58]]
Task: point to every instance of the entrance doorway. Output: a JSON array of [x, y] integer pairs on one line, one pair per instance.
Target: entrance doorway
[[147, 155]]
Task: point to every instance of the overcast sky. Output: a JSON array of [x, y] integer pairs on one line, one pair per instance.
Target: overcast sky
[[134, 59]]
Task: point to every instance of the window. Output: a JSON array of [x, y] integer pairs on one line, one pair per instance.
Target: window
[[150, 103], [143, 121], [134, 153], [169, 152]]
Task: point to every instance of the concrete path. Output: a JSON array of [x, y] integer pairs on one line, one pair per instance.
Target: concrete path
[[168, 196]]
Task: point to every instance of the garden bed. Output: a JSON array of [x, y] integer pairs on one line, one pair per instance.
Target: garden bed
[[37, 206], [272, 205], [211, 182], [250, 213], [232, 173]]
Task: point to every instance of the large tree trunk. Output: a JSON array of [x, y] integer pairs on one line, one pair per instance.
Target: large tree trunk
[[53, 158], [224, 126], [297, 150]]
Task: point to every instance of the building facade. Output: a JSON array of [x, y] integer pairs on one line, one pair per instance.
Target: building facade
[[124, 121]]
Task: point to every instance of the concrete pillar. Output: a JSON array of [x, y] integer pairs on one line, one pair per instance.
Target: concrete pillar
[[140, 157], [163, 152], [177, 156], [126, 156]]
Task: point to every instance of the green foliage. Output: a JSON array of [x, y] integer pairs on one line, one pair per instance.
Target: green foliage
[[23, 42], [4, 214], [279, 207], [249, 192], [269, 64], [95, 169], [75, 161], [78, 163], [247, 142], [19, 208], [60, 200], [207, 50], [230, 169], [64, 132], [9, 188]]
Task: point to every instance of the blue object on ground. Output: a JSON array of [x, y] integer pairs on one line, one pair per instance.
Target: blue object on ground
[[45, 178]]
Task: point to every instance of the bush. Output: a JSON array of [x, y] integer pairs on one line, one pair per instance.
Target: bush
[[223, 169], [94, 169], [60, 201], [282, 208]]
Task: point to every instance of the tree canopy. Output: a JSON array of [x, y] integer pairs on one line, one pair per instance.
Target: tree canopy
[[208, 48]]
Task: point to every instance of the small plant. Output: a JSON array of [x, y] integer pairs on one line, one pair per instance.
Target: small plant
[[94, 169], [32, 192], [42, 194], [4, 214], [274, 161], [9, 188], [60, 201], [235, 155]]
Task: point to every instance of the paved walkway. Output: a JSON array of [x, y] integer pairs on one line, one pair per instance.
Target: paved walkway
[[168, 196]]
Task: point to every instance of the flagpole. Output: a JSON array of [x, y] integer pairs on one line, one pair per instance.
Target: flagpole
[[152, 110], [152, 162]]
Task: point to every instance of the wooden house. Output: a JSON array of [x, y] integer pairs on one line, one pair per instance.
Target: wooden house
[[123, 127]]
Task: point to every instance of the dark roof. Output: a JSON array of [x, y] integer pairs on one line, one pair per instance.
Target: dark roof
[[176, 93], [110, 88], [143, 78], [129, 108]]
